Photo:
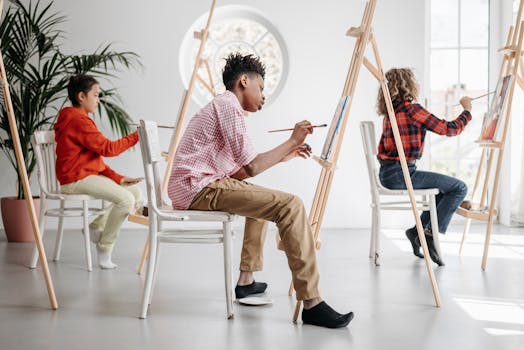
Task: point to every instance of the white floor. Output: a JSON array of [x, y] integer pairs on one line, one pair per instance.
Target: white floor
[[393, 304]]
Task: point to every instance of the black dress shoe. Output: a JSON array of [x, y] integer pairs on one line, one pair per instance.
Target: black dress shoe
[[412, 235], [323, 315], [433, 254], [250, 289]]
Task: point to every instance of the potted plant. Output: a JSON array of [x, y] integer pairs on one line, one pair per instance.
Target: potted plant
[[38, 72]]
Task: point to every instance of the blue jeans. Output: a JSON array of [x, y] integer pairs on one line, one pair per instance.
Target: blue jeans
[[452, 190]]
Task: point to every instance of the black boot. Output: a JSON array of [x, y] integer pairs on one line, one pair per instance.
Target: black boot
[[412, 235]]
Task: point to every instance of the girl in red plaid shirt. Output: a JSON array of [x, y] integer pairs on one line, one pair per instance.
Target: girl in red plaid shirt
[[413, 123]]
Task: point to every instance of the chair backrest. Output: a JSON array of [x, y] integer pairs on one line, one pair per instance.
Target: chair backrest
[[367, 130], [151, 158], [44, 148]]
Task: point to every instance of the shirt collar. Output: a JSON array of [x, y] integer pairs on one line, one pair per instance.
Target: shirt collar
[[234, 97]]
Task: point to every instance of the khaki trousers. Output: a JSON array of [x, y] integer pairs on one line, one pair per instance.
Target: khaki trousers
[[124, 200], [258, 205]]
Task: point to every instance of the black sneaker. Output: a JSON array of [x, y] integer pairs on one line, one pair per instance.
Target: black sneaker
[[433, 254], [250, 289], [323, 315], [412, 235]]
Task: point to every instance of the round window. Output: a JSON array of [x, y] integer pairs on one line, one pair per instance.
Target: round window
[[234, 28]]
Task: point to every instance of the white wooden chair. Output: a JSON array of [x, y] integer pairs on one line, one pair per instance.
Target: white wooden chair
[[44, 145], [426, 202], [159, 213]]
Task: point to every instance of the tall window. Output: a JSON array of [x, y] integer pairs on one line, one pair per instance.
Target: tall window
[[458, 67], [234, 28], [517, 148]]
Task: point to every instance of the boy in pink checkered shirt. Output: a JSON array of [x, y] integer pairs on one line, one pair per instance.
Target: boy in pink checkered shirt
[[214, 158]]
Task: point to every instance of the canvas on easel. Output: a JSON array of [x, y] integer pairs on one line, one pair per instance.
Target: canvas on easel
[[496, 110], [334, 127]]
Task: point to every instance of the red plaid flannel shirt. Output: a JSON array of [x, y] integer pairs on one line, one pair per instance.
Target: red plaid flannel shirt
[[413, 121]]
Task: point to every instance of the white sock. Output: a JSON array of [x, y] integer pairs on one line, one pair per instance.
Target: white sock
[[104, 260]]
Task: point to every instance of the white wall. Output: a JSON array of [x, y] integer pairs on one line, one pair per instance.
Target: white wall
[[319, 56]]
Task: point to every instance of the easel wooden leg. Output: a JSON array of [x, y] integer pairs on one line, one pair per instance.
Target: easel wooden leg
[[407, 179], [486, 243], [25, 180], [291, 289], [514, 71], [145, 253], [297, 310], [186, 98], [364, 36], [464, 235]]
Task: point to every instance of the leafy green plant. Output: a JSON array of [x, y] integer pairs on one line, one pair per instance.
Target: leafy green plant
[[38, 72]]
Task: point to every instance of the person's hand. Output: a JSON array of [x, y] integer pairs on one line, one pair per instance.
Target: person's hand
[[129, 181], [300, 132], [303, 151], [240, 175], [466, 103]]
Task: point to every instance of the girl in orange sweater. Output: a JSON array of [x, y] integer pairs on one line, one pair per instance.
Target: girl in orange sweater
[[80, 167]]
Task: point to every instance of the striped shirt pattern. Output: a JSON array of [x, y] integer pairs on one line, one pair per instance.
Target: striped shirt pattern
[[215, 145], [413, 122]]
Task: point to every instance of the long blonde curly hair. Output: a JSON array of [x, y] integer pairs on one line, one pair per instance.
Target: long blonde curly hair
[[402, 85]]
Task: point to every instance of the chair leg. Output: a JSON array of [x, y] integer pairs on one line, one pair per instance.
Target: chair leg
[[376, 234], [59, 237], [155, 272], [59, 234], [434, 224], [373, 227], [464, 235], [228, 276], [86, 236], [41, 225], [146, 300]]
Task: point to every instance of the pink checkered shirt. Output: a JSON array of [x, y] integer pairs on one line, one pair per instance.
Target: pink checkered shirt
[[215, 145]]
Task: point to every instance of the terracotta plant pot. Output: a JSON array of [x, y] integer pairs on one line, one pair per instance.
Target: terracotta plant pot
[[17, 223]]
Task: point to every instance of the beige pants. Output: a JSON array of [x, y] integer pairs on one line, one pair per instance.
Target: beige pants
[[258, 205], [124, 200]]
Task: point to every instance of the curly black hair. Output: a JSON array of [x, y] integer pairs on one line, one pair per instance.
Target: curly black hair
[[237, 64]]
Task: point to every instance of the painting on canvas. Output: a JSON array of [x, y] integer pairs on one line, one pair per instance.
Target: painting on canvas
[[334, 127], [496, 110]]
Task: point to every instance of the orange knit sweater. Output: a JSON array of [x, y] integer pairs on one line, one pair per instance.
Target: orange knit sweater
[[80, 147]]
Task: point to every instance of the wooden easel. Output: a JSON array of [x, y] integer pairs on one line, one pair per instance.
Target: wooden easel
[[364, 35], [175, 139], [210, 84], [494, 149], [25, 179]]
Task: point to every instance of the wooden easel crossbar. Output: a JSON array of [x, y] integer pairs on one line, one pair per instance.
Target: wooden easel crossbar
[[364, 36]]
